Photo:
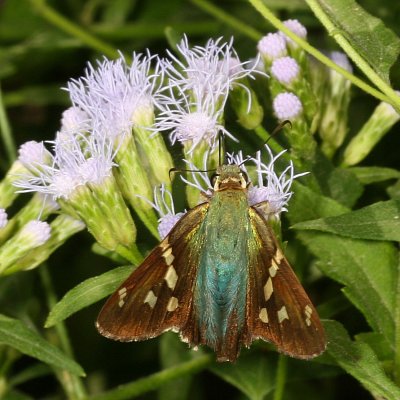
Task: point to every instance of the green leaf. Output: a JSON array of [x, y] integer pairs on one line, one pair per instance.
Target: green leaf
[[367, 175], [378, 45], [87, 293], [380, 221], [308, 205], [358, 359], [377, 343], [17, 335], [252, 374], [339, 184], [368, 269], [174, 352], [394, 191]]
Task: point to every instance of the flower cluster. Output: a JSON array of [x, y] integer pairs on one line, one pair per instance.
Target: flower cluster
[[109, 153]]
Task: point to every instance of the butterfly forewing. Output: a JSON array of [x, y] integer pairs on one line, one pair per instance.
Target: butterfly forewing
[[278, 309], [157, 296]]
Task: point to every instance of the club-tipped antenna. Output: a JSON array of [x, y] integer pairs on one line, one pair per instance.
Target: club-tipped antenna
[[278, 128]]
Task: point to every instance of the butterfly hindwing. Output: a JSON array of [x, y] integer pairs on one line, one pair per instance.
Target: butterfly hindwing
[[278, 309], [158, 295]]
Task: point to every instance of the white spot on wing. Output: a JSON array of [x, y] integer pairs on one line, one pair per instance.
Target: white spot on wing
[[168, 256], [268, 289], [172, 304], [263, 315], [171, 277], [308, 311], [164, 244], [122, 294], [282, 314], [273, 269], [278, 256], [151, 299]]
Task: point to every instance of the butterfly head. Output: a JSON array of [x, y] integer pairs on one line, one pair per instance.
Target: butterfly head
[[230, 177]]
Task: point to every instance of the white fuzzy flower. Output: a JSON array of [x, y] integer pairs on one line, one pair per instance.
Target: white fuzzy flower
[[78, 160], [285, 70], [3, 218], [33, 154], [191, 121], [164, 205], [272, 187], [116, 95], [35, 233], [192, 104], [272, 46], [75, 120], [287, 106], [341, 59], [297, 28]]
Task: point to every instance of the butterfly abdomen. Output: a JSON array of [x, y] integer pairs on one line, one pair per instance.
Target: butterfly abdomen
[[220, 288]]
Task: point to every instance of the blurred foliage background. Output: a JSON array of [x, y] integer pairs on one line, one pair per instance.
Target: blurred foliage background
[[42, 46]]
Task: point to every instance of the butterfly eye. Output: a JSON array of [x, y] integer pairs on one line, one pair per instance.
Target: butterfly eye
[[214, 177]]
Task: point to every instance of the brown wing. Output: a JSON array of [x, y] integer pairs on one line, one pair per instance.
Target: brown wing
[[278, 309], [158, 295]]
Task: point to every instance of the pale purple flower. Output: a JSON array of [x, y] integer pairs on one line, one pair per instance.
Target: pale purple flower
[[78, 160], [285, 70], [271, 187], [36, 233], [75, 119], [3, 218], [287, 106], [33, 154], [341, 59], [191, 105], [297, 28], [116, 95], [272, 46], [164, 205]]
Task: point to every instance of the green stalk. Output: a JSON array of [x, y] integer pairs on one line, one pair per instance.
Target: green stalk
[[132, 254], [226, 18], [71, 383], [390, 96], [281, 375], [154, 381], [64, 24], [353, 54], [397, 332], [6, 133]]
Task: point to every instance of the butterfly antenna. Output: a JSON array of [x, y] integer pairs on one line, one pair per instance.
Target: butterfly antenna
[[278, 129], [221, 149]]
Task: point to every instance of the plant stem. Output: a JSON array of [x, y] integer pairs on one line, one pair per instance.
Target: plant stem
[[397, 331], [392, 99], [280, 377], [353, 54], [6, 133], [154, 381], [58, 20], [132, 254], [71, 383], [228, 19]]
